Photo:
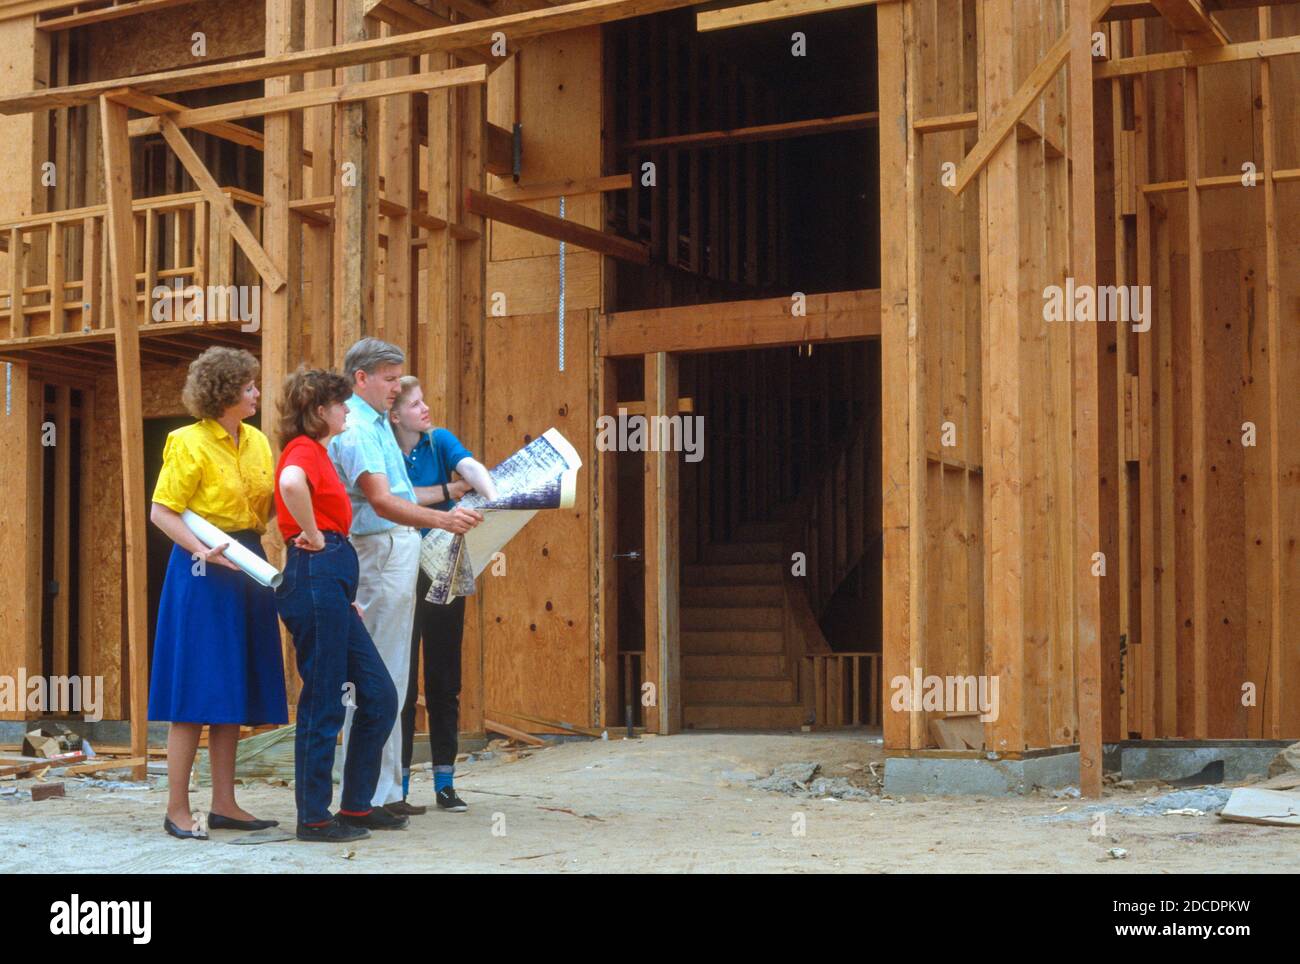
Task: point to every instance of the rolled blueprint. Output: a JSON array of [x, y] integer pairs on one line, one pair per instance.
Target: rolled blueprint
[[250, 562], [542, 475]]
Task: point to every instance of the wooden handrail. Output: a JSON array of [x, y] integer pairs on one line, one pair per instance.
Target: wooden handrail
[[196, 254]]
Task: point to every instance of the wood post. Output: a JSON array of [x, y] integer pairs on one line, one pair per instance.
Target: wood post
[[662, 575], [120, 228], [1087, 507]]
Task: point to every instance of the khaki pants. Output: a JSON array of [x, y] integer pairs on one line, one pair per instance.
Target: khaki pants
[[389, 562]]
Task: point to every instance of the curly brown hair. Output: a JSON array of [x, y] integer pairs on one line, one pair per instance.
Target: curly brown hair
[[304, 391], [216, 380]]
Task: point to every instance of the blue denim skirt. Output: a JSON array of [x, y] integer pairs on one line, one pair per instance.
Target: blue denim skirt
[[216, 651]]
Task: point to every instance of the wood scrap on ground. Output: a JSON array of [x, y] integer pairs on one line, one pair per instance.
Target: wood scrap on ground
[[1273, 808], [958, 731], [509, 731], [106, 764]]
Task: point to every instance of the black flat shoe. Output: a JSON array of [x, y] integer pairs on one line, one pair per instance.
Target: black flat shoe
[[217, 822], [332, 832], [376, 819], [176, 831]]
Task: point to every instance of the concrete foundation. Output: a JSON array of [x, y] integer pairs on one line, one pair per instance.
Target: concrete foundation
[[1176, 759], [944, 776], [1135, 760], [111, 732]]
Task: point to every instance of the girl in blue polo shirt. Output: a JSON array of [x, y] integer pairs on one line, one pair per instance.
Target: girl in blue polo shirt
[[431, 456]]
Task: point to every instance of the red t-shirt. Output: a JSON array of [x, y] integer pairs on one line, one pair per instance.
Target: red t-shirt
[[329, 499]]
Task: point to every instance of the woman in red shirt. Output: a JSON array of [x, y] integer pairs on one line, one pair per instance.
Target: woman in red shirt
[[337, 659]]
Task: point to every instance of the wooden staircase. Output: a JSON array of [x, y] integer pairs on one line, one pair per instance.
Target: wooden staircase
[[736, 667]]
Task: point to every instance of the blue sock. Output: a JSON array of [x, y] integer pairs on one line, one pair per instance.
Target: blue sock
[[406, 782], [442, 777]]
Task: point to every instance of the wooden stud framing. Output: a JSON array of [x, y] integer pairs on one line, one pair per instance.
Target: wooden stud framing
[[662, 632], [354, 51], [222, 207], [120, 229], [1087, 508]]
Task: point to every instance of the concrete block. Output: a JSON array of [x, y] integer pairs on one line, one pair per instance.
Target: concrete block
[[948, 776]]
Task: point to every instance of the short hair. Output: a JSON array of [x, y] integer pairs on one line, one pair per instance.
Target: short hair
[[407, 384], [216, 380], [368, 355], [304, 391]]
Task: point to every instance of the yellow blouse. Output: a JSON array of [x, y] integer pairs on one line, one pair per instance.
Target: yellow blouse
[[202, 472]]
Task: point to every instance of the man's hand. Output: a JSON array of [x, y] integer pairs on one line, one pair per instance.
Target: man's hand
[[458, 490], [458, 520], [311, 542]]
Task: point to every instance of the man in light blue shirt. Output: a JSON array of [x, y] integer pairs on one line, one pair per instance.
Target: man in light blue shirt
[[368, 445], [384, 521]]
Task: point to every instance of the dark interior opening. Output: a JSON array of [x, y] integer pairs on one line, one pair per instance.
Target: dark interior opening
[[752, 217]]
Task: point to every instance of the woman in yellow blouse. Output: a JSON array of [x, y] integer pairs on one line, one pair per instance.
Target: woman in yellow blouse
[[216, 652]]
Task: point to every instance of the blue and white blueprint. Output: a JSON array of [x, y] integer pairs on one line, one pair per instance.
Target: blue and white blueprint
[[541, 475]]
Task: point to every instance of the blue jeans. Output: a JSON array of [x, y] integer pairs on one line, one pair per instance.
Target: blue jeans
[[334, 649]]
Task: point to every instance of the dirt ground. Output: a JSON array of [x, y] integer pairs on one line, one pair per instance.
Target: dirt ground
[[658, 804]]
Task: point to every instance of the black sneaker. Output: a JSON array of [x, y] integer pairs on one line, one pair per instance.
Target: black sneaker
[[333, 832], [377, 819], [447, 800]]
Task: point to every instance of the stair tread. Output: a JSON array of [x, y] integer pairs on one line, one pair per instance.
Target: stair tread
[[781, 677], [784, 704], [729, 652], [742, 606]]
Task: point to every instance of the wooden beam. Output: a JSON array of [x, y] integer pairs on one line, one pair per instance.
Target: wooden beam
[[82, 18], [152, 104], [1001, 127], [206, 117], [62, 528], [1191, 22], [318, 132], [1087, 459], [662, 539], [356, 193], [282, 319], [759, 132], [400, 182], [1130, 10], [1200, 468], [570, 187], [500, 156], [768, 322], [519, 26], [1006, 250], [120, 227], [547, 225], [902, 376], [1273, 319], [1203, 57], [947, 122], [745, 14], [221, 205], [404, 16]]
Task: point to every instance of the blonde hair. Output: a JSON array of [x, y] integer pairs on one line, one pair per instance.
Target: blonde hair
[[407, 384]]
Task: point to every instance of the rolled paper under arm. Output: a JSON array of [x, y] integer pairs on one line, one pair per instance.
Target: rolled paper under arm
[[236, 552]]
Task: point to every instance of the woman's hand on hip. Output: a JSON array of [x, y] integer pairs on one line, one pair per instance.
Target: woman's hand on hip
[[311, 542]]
